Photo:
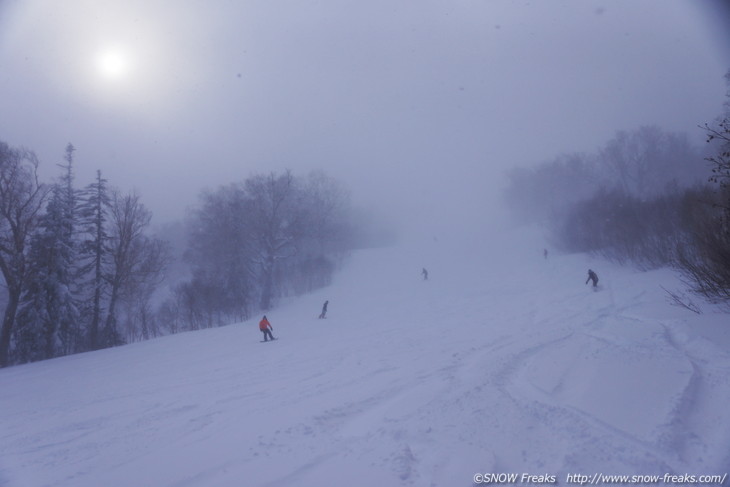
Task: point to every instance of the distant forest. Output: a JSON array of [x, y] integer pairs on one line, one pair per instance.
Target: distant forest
[[646, 198], [82, 271]]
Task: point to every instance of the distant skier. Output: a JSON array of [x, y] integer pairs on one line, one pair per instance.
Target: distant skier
[[266, 328], [545, 253], [324, 310], [425, 274], [592, 277]]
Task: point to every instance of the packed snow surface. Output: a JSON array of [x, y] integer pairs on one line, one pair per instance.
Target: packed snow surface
[[502, 362]]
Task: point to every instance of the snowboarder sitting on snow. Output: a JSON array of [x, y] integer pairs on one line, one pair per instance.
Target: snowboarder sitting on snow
[[266, 328], [324, 310], [592, 277]]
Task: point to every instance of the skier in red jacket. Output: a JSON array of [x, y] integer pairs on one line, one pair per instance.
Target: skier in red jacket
[[266, 328]]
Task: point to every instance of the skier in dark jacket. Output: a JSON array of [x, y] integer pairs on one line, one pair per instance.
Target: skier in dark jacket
[[592, 277], [324, 310]]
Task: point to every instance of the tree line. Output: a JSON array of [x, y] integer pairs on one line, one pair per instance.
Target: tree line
[[81, 271], [646, 198], [254, 242], [72, 260]]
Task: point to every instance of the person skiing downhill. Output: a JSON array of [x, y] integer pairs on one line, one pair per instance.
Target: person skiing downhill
[[324, 310], [425, 274], [266, 328], [592, 277]]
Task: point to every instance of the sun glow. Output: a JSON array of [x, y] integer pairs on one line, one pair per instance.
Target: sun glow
[[113, 63], [125, 73]]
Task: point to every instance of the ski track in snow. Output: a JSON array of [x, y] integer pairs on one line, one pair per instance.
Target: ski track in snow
[[502, 362]]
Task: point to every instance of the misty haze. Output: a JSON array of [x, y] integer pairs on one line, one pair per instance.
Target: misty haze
[[364, 243]]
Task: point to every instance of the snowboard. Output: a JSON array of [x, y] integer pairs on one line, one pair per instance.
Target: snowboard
[[264, 341]]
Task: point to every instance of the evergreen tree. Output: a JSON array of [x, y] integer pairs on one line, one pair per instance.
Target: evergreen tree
[[49, 311], [93, 213]]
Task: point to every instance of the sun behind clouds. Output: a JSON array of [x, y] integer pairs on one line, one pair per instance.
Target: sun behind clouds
[[113, 63]]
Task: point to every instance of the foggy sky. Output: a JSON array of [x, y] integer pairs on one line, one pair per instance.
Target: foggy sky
[[417, 106]]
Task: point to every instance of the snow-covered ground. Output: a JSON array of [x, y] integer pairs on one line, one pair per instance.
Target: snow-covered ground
[[502, 362]]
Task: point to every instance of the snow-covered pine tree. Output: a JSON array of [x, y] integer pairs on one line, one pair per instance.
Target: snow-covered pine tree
[[94, 253], [49, 316]]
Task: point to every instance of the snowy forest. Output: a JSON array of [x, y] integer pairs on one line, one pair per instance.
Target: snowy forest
[[646, 198], [253, 242], [82, 270]]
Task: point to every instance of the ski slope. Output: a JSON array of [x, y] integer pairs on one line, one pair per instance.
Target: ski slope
[[502, 362]]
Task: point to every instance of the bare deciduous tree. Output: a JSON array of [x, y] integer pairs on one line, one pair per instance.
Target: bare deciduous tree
[[21, 198], [137, 261], [277, 220]]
